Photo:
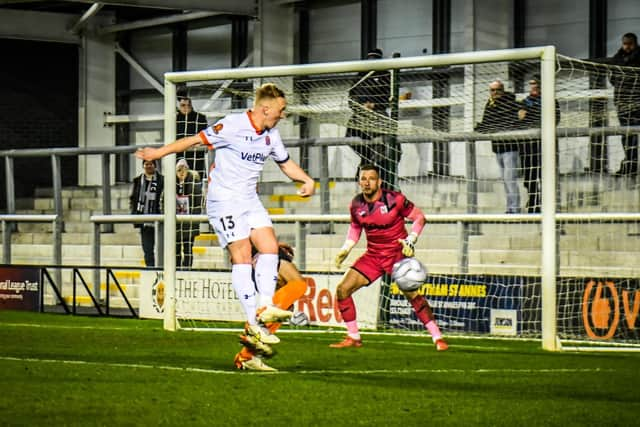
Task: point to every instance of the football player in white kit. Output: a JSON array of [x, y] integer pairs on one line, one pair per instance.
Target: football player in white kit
[[243, 142]]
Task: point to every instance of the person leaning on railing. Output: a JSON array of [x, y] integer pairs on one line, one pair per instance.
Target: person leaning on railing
[[501, 114]]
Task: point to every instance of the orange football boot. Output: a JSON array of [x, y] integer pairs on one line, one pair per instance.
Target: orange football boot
[[347, 342]]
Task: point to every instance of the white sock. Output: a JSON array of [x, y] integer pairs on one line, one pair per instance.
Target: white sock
[[246, 292], [266, 277]]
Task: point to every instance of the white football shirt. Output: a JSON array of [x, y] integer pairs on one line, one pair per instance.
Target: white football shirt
[[241, 151]]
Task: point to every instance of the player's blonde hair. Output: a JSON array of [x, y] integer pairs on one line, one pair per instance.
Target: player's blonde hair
[[268, 91]]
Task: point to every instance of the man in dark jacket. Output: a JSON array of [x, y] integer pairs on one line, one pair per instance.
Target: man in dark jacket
[[145, 199], [368, 101], [190, 122], [501, 114], [626, 96], [531, 149]]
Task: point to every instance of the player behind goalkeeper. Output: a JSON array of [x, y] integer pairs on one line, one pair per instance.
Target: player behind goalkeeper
[[381, 213], [290, 287]]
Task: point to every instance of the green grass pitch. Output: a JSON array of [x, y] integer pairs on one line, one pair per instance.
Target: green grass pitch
[[58, 370]]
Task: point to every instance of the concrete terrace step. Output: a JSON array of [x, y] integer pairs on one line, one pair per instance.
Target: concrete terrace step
[[114, 301], [124, 252], [130, 238], [117, 190]]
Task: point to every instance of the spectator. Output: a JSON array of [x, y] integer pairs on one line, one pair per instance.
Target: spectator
[[146, 199], [369, 101], [531, 149], [501, 114], [190, 122], [626, 97], [188, 202]]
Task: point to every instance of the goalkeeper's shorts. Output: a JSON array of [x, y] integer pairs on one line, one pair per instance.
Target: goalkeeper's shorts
[[373, 266]]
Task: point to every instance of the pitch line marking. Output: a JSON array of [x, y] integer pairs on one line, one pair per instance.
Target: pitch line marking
[[45, 326], [312, 372]]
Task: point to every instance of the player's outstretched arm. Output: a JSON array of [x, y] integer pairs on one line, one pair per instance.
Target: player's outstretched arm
[[150, 153], [295, 173]]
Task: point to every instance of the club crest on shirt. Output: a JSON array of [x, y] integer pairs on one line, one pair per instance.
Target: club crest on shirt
[[217, 128], [383, 209], [268, 140]]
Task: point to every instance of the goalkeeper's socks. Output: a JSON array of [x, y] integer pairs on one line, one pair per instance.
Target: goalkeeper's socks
[[423, 312], [421, 307], [347, 309], [352, 329], [433, 329], [243, 285]]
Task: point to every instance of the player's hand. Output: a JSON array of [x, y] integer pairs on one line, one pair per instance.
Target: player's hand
[[307, 189], [408, 245], [147, 153], [340, 257]]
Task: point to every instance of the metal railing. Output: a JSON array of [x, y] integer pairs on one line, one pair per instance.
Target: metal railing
[[464, 223], [56, 242], [55, 155], [7, 231]]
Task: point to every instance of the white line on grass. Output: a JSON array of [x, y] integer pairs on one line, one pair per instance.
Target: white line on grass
[[316, 371], [46, 326], [594, 347], [421, 343]]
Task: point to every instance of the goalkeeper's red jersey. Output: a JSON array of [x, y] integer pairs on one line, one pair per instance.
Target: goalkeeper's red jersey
[[382, 221]]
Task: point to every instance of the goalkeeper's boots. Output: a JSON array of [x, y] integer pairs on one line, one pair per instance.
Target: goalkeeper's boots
[[252, 364], [347, 342], [261, 333], [271, 314], [256, 346], [441, 345]]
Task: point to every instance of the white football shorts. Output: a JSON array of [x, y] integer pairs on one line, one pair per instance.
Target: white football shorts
[[234, 220]]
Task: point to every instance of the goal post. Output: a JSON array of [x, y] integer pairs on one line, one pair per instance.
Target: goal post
[[536, 265], [169, 169], [548, 173]]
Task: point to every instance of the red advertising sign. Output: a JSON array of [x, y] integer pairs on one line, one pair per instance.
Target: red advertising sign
[[19, 288]]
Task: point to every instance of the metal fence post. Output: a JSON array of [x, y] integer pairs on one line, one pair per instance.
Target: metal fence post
[[106, 189], [325, 199], [58, 223], [10, 188], [6, 242], [301, 245], [95, 259]]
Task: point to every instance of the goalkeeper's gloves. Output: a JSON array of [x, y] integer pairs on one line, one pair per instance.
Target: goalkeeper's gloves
[[408, 244], [344, 252]]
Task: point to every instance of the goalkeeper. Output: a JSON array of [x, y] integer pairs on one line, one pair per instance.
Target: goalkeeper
[[290, 287], [381, 213]]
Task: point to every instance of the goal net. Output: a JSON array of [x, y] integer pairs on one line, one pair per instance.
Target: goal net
[[531, 201]]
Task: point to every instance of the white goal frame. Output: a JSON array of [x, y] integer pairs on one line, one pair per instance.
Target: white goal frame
[[547, 56]]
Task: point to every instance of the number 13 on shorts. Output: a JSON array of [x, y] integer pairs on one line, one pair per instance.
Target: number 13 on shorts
[[226, 226]]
